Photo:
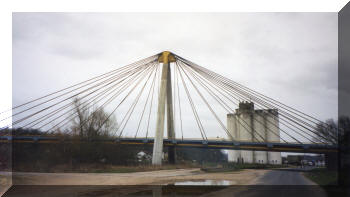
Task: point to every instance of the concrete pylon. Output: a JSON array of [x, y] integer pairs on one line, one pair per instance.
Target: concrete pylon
[[170, 119], [165, 93]]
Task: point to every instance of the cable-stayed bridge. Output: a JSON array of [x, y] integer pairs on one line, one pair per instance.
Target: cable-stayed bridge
[[197, 104]]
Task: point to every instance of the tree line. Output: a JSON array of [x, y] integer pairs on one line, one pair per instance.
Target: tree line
[[95, 123], [84, 149]]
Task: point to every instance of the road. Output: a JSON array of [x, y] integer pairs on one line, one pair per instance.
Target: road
[[278, 182], [290, 176]]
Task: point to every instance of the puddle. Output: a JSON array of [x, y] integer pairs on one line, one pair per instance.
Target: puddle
[[206, 182]]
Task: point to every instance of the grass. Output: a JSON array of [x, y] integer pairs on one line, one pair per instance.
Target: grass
[[101, 168], [106, 168], [235, 167], [322, 176], [207, 167], [328, 180], [117, 170], [128, 169]]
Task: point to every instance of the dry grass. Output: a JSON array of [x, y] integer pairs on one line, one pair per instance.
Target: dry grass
[[104, 168]]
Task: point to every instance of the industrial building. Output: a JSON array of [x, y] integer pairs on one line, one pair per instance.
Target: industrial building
[[247, 124]]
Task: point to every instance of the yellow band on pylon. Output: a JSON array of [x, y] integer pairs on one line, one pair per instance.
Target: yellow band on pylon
[[166, 57]]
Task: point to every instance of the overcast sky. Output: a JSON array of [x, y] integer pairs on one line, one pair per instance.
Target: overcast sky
[[291, 57]]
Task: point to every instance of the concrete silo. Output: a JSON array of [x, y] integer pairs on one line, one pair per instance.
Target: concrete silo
[[247, 124], [239, 124], [260, 128], [233, 155], [244, 122], [273, 135]]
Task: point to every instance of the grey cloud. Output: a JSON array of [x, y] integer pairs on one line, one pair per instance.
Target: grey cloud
[[289, 56]]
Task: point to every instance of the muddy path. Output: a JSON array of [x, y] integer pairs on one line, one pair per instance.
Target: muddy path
[[162, 177]]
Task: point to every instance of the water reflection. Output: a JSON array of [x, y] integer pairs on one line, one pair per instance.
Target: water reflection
[[206, 182], [178, 191]]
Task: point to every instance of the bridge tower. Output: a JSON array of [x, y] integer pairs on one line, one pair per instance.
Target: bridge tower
[[165, 93]]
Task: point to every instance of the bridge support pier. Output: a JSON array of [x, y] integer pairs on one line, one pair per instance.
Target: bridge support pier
[[170, 118], [164, 93]]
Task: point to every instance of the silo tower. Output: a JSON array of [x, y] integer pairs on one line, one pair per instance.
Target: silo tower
[[247, 124]]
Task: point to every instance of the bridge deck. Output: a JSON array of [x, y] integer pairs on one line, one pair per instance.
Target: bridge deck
[[213, 144]]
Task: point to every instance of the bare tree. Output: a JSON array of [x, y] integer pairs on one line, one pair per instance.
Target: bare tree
[[92, 123], [328, 132]]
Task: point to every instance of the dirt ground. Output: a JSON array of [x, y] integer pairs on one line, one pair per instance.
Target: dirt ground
[[242, 183], [5, 182], [162, 177]]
